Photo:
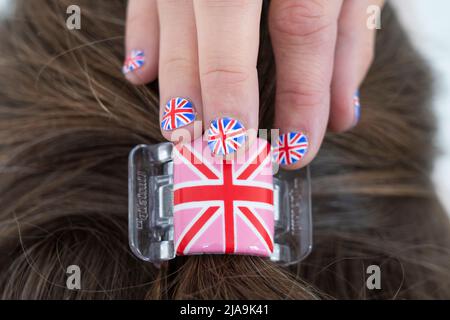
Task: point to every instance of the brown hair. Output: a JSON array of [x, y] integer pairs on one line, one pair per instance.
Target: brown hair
[[68, 120]]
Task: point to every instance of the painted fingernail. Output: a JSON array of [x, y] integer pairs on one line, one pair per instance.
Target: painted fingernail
[[356, 106], [226, 135], [178, 112], [135, 60], [290, 148]]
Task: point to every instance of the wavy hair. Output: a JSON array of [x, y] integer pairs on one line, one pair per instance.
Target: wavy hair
[[68, 120]]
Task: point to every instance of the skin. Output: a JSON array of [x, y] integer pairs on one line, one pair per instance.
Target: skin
[[206, 50]]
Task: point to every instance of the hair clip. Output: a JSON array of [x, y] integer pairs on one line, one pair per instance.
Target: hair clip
[[185, 201]]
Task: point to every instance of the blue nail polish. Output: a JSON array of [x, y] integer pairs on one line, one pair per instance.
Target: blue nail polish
[[357, 106], [134, 61], [178, 112], [226, 135], [290, 148]]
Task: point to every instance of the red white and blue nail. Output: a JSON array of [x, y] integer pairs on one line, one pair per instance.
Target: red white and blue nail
[[134, 61], [357, 106], [226, 135], [290, 148], [178, 112]]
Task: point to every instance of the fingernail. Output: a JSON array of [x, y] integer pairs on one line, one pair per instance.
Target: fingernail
[[226, 135], [356, 107], [178, 112], [135, 60], [290, 148]]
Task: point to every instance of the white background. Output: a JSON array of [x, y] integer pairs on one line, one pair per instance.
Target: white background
[[428, 24]]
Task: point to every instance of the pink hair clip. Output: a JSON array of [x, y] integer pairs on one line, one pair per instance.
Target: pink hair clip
[[185, 201], [223, 207]]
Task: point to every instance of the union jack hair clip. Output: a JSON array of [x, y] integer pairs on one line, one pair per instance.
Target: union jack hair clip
[[185, 201]]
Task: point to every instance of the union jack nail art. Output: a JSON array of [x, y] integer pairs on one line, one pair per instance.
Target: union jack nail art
[[178, 112], [226, 135], [134, 61], [290, 148], [357, 106]]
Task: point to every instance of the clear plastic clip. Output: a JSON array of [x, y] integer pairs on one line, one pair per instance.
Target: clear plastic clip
[[151, 230]]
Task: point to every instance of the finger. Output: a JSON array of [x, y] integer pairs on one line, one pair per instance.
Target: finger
[[354, 55], [179, 82], [228, 39], [141, 42], [304, 36]]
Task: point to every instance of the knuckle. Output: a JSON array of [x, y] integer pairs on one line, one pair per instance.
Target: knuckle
[[297, 98], [169, 3], [301, 19], [225, 75], [177, 63], [228, 3]]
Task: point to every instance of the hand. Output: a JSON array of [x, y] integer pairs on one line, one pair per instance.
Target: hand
[[206, 51]]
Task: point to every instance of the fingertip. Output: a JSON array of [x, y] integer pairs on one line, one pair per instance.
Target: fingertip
[[293, 150], [184, 134], [228, 136], [180, 120], [345, 112], [138, 68], [140, 65]]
